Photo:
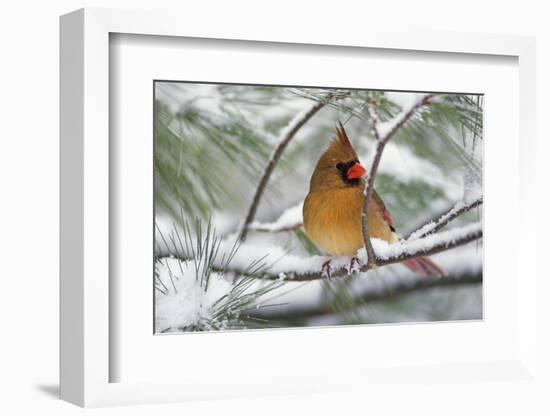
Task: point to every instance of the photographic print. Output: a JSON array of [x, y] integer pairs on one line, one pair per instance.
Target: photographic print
[[290, 206]]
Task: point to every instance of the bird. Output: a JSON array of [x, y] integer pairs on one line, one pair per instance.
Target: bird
[[333, 208]]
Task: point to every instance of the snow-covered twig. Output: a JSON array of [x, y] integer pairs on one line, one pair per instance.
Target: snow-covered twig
[[399, 252], [284, 138], [434, 226], [290, 220], [386, 253], [267, 228], [382, 137]]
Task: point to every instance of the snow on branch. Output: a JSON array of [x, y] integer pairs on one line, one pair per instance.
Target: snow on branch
[[385, 253], [286, 135], [288, 267], [383, 132], [290, 220], [434, 226]]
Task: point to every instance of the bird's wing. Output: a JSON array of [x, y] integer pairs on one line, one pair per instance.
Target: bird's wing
[[385, 213]]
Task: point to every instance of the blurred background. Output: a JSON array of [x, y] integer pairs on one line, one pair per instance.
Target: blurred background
[[212, 145]]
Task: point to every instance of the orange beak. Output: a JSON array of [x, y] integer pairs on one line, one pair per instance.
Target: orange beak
[[356, 171]]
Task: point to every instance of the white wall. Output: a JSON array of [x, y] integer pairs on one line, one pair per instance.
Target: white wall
[[29, 206]]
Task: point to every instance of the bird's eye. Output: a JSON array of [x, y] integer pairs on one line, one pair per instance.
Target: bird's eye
[[339, 165]]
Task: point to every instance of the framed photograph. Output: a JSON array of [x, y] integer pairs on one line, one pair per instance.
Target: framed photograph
[[236, 208], [218, 268]]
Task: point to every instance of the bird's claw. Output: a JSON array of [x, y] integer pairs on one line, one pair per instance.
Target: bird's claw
[[353, 265], [325, 270]]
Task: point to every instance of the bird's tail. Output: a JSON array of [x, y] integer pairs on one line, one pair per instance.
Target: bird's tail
[[424, 266]]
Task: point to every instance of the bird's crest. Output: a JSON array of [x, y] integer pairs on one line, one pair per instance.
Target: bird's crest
[[341, 147], [341, 135]]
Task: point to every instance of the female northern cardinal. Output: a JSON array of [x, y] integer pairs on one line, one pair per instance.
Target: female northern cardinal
[[334, 206]]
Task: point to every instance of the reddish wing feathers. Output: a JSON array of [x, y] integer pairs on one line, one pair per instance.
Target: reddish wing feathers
[[420, 265], [424, 266], [386, 216], [385, 213]]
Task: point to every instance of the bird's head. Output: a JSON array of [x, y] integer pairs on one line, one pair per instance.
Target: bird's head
[[339, 166]]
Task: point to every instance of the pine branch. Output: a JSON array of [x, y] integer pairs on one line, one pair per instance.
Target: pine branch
[[200, 283], [434, 226], [382, 139], [394, 253], [286, 136]]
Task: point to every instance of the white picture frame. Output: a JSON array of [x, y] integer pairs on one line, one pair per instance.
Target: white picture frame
[[86, 356]]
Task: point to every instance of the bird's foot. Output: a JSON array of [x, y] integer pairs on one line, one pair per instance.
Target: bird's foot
[[326, 269], [353, 265]]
